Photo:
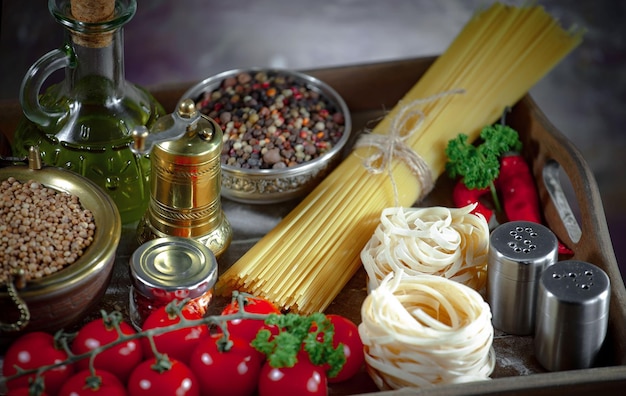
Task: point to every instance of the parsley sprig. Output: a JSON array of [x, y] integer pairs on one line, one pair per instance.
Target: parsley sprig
[[313, 333], [479, 165]]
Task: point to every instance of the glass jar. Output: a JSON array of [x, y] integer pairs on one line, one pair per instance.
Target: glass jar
[[167, 269], [84, 123]]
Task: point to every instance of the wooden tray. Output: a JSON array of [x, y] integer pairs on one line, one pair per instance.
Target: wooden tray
[[561, 172]]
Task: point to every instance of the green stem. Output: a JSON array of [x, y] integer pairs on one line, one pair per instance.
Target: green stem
[[217, 320], [494, 196]]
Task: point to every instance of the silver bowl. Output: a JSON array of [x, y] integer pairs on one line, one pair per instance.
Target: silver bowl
[[278, 185]]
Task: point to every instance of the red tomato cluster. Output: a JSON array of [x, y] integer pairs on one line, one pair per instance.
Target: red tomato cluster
[[196, 361]]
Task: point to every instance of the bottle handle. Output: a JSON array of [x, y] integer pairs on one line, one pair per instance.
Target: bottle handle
[[33, 81]]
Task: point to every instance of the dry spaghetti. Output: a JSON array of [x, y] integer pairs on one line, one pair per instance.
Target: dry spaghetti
[[425, 330], [449, 242], [307, 259]]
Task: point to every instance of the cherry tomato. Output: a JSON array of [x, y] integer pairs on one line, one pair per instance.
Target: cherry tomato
[[31, 351], [303, 379], [118, 360], [234, 372], [177, 344], [247, 329], [178, 380], [347, 333], [77, 385]]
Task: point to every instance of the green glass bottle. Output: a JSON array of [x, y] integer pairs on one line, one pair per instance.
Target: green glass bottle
[[84, 123]]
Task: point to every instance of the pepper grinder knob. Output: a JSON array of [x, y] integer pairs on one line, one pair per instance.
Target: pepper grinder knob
[[170, 127], [187, 109]]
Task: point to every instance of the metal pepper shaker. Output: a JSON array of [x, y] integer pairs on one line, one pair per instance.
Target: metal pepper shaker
[[572, 315], [185, 179], [519, 251]]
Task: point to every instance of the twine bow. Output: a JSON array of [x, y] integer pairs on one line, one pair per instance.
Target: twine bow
[[394, 144]]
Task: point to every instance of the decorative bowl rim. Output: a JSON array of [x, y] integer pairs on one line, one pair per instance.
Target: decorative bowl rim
[[99, 254], [312, 83]]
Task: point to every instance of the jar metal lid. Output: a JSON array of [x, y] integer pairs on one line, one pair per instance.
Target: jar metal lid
[[173, 267], [521, 250]]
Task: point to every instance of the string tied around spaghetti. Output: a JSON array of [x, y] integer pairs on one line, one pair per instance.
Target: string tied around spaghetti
[[394, 144]]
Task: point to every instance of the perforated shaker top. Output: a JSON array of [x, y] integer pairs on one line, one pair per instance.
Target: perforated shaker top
[[577, 291], [520, 250]]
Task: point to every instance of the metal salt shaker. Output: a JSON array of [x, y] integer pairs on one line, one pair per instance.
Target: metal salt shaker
[[572, 315], [519, 251], [185, 179]]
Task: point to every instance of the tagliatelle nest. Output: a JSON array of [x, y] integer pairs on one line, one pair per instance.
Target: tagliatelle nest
[[449, 242], [423, 330]]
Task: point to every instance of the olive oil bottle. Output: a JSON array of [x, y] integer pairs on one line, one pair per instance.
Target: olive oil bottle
[[84, 123]]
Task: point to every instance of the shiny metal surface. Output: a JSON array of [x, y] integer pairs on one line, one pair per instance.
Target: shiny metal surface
[[278, 185], [552, 181], [572, 315], [167, 269], [519, 251], [57, 300], [185, 181], [176, 265], [173, 127]]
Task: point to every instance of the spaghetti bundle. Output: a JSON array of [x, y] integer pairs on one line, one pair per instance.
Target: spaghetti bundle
[[449, 242], [425, 330], [305, 261]]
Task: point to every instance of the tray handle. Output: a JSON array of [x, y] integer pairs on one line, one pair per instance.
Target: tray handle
[[549, 152]]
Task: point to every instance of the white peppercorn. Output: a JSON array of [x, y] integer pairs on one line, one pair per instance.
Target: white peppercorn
[[42, 230]]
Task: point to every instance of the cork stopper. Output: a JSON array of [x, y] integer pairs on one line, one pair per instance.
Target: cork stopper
[[93, 11]]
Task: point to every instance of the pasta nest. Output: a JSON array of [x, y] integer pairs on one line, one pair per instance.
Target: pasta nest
[[449, 242], [423, 330]]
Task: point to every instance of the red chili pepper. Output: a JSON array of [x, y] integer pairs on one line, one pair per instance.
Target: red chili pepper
[[520, 199], [517, 189], [463, 196]]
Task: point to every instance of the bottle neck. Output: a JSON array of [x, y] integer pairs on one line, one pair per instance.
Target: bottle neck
[[103, 63], [95, 39]]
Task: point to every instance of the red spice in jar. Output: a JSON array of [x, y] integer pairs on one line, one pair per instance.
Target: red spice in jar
[[167, 269], [144, 305]]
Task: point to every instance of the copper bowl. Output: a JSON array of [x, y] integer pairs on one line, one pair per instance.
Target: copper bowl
[[61, 299]]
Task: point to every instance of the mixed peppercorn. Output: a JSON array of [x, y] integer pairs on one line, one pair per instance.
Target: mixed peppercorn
[[272, 120]]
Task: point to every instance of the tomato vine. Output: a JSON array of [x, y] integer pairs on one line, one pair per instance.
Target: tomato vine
[[291, 335]]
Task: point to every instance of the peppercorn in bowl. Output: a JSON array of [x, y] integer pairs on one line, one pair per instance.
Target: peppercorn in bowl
[[284, 131], [59, 233]]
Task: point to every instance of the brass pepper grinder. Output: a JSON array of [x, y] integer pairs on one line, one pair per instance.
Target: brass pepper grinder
[[185, 179]]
